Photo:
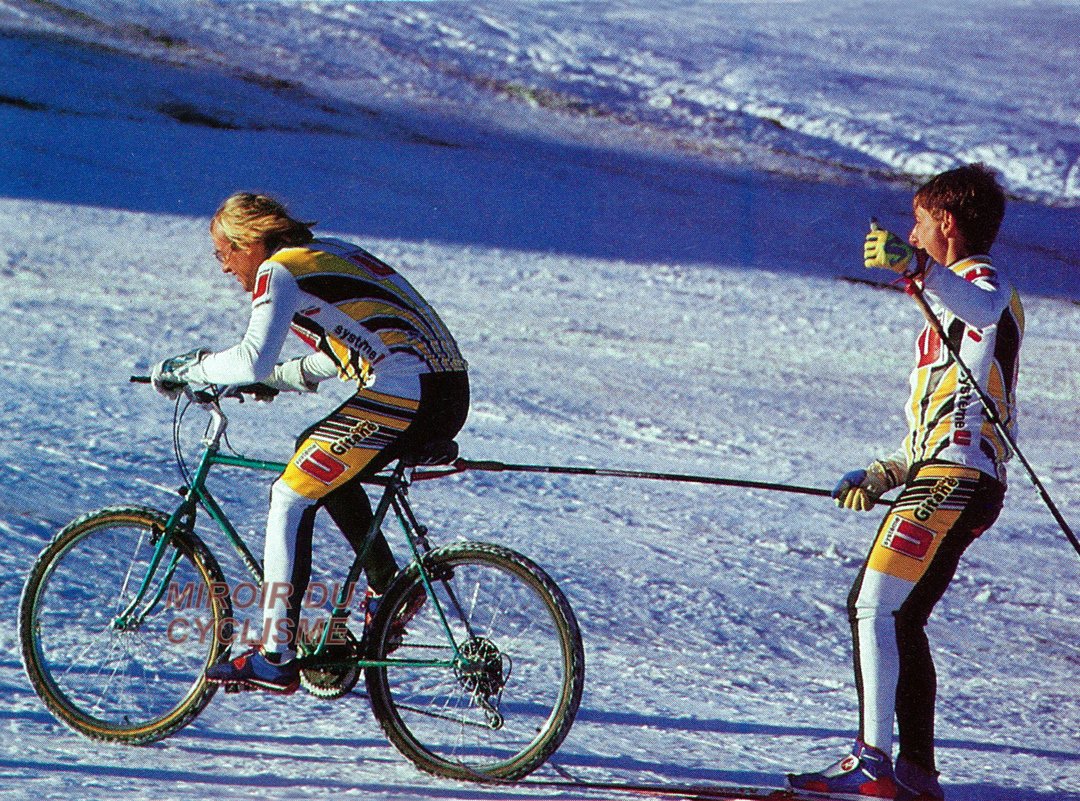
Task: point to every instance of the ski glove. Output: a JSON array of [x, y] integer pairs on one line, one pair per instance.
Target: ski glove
[[167, 377], [887, 251], [859, 489]]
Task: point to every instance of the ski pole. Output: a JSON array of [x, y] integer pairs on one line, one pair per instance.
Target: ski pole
[[988, 405], [462, 465]]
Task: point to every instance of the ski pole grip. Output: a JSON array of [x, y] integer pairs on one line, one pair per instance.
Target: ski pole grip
[[140, 379]]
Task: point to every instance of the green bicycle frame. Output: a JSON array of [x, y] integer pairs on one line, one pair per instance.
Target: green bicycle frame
[[197, 494]]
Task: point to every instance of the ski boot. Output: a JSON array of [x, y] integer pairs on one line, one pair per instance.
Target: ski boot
[[866, 773], [915, 783]]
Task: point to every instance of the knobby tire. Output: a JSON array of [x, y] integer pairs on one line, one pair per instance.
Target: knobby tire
[[133, 684]]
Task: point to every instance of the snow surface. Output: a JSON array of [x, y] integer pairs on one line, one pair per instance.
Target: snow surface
[[635, 218]]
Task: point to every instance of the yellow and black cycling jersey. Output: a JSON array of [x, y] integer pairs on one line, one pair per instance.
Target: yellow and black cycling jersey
[[983, 319], [363, 314], [364, 320]]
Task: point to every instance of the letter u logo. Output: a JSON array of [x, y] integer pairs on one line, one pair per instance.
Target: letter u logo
[[908, 538], [320, 465]]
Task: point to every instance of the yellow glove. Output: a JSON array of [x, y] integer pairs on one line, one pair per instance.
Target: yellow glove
[[859, 489], [887, 251], [849, 494]]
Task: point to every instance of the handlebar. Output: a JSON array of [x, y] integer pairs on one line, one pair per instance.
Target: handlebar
[[208, 398], [213, 393]]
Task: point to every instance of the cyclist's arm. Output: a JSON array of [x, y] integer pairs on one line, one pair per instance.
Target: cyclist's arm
[[253, 358], [302, 374]]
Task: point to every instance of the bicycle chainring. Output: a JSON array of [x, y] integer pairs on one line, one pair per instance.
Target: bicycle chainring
[[333, 673]]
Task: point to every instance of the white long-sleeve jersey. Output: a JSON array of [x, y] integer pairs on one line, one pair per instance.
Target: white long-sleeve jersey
[[364, 320], [983, 318]]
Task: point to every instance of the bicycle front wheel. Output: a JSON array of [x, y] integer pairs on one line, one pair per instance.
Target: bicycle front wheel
[[484, 680], [111, 669]]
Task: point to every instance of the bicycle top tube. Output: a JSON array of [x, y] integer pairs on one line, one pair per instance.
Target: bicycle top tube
[[210, 398]]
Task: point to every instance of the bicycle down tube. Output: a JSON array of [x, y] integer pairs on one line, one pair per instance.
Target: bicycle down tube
[[393, 497]]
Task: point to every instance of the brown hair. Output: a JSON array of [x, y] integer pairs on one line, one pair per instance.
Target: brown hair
[[973, 196], [246, 218]]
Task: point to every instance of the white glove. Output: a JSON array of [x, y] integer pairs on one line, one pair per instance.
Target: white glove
[[167, 377]]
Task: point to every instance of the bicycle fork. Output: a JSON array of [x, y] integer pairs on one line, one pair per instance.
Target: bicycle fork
[[128, 620]]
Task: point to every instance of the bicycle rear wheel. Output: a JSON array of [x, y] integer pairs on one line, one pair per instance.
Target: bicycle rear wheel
[[496, 701], [132, 678]]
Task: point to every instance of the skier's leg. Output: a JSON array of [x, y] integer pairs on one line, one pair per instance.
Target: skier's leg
[[917, 680], [929, 522]]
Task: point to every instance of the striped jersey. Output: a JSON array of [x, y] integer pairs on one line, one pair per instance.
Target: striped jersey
[[363, 314], [364, 320], [983, 318]]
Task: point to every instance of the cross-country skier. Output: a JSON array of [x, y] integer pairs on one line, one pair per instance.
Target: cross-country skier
[[952, 469], [367, 326]]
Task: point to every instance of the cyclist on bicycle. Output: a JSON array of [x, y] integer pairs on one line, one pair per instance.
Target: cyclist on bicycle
[[368, 326]]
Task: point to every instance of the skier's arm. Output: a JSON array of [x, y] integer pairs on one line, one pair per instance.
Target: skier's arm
[[253, 358], [978, 302]]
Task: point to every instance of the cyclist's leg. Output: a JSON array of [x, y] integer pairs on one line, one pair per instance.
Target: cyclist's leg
[[360, 438], [347, 444], [443, 406], [913, 559], [286, 566], [350, 510]]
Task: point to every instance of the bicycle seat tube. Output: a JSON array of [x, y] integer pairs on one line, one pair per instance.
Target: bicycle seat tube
[[393, 487]]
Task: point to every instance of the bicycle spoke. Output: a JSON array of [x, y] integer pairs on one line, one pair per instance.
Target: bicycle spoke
[[105, 675], [428, 713]]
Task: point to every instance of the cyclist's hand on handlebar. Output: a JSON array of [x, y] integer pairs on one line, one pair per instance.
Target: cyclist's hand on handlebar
[[173, 387], [167, 376], [170, 390], [263, 393]]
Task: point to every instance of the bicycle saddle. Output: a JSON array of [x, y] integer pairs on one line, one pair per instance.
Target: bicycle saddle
[[436, 452]]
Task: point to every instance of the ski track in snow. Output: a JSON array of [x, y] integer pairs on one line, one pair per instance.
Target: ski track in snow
[[714, 622]]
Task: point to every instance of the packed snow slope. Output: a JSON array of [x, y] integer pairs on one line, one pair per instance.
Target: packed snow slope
[[667, 131], [627, 294]]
